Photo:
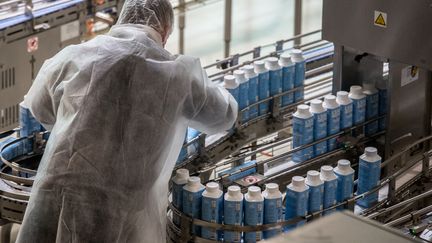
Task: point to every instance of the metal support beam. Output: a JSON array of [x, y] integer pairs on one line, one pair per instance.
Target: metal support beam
[[182, 25], [228, 26], [298, 14]]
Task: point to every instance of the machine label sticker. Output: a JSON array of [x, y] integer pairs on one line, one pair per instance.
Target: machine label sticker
[[380, 19], [69, 31], [32, 44], [409, 75]]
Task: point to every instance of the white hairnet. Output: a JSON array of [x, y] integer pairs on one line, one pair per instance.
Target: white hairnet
[[157, 14]]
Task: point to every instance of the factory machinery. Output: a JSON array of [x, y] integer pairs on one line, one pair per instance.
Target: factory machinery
[[373, 45]]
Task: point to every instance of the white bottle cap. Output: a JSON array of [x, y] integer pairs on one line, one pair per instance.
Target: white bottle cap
[[343, 98], [303, 109], [249, 71], [212, 187], [285, 60], [273, 63], [260, 67], [272, 188], [234, 190], [182, 174], [327, 172], [240, 76], [298, 181], [330, 102], [371, 151], [194, 181], [230, 82], [344, 165], [356, 91], [317, 106], [296, 53], [313, 177], [254, 191]]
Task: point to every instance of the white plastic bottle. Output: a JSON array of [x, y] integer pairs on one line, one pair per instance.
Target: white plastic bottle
[[345, 177], [275, 71], [192, 196], [303, 131], [243, 100], [333, 120], [288, 76], [369, 176], [300, 73], [346, 107], [316, 191], [296, 201], [178, 182], [263, 86], [233, 213], [372, 107], [320, 126], [254, 213], [330, 188], [231, 84], [253, 89], [359, 104], [212, 210], [272, 208]]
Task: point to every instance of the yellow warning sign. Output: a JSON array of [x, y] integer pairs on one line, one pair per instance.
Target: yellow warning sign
[[380, 19]]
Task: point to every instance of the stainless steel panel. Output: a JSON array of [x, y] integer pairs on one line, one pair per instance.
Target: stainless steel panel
[[407, 38]]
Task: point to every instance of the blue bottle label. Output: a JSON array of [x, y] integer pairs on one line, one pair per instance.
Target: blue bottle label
[[369, 177], [233, 215], [254, 215], [330, 191], [316, 194], [177, 197], [272, 214], [288, 76], [192, 206], [303, 134], [320, 131], [346, 116], [300, 71], [296, 205], [244, 100], [333, 126], [372, 110], [345, 186], [275, 82], [212, 210], [359, 111], [263, 91], [253, 97]]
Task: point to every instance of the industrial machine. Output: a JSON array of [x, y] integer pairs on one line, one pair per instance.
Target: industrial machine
[[374, 45]]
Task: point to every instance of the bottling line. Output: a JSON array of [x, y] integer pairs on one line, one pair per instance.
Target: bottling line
[[363, 41]]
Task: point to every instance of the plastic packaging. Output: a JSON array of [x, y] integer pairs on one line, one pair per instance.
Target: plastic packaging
[[296, 201], [369, 176], [333, 120], [233, 213], [178, 182], [345, 178], [275, 71], [243, 100], [330, 188], [263, 86], [288, 76], [253, 89], [212, 210], [254, 213], [359, 104], [320, 126], [372, 107], [303, 131], [316, 191], [192, 196], [300, 73], [231, 84], [382, 90], [272, 208], [346, 107]]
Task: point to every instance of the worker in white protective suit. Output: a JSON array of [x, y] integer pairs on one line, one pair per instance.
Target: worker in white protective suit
[[118, 107]]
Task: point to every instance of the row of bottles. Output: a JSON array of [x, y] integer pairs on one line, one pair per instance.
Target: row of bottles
[[264, 79], [318, 191], [322, 119]]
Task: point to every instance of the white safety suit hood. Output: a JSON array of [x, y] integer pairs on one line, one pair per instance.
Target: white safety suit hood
[[118, 106]]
